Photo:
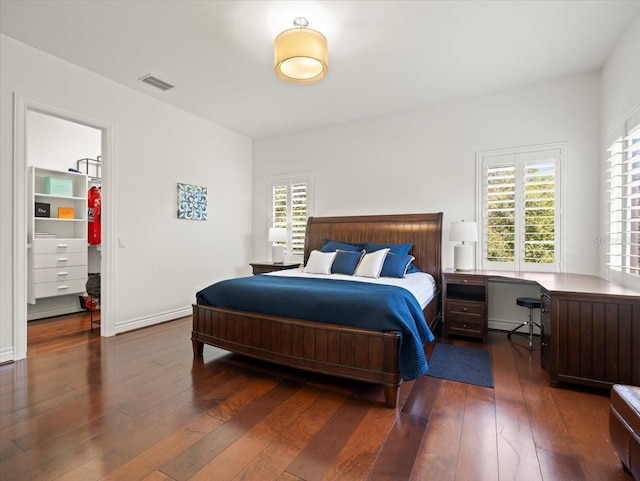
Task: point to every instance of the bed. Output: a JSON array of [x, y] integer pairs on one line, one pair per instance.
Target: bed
[[345, 351]]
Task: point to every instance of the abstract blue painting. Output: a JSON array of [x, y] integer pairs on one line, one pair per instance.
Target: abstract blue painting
[[192, 202]]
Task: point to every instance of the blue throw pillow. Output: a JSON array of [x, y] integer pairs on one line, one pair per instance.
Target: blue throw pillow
[[396, 265], [398, 249], [413, 268], [346, 262], [332, 246]]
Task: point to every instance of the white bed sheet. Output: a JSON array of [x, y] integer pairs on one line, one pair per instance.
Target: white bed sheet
[[420, 284]]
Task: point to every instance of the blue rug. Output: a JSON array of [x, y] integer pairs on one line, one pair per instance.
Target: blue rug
[[464, 364]]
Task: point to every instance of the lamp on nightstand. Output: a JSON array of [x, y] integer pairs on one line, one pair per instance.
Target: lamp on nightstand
[[463, 253], [277, 234]]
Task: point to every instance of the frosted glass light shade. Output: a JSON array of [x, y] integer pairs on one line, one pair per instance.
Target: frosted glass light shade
[[301, 55]]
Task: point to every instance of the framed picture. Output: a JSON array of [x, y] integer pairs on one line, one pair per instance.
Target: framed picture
[[192, 202]]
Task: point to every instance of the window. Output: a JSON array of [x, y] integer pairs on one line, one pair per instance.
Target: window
[[624, 198], [290, 208], [520, 208]]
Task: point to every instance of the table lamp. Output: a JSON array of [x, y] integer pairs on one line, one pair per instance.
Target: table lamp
[[463, 253], [277, 234]]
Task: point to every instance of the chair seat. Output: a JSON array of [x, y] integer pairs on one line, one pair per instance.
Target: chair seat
[[530, 302]]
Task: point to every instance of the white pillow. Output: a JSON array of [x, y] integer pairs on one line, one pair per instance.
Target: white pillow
[[320, 262], [371, 264]]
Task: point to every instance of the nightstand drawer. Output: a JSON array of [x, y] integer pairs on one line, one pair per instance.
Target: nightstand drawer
[[477, 322], [465, 328], [465, 308]]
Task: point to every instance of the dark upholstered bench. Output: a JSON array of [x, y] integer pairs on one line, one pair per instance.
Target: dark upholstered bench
[[624, 426]]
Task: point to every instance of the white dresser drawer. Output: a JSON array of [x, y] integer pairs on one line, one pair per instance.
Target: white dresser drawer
[[57, 246], [55, 274], [61, 288], [60, 260]]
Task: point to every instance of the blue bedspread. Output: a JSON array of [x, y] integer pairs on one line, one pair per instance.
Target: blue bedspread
[[348, 303]]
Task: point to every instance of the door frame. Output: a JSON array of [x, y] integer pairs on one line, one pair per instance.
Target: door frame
[[22, 106]]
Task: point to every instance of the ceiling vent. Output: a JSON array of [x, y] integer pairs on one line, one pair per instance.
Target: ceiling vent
[[156, 82]]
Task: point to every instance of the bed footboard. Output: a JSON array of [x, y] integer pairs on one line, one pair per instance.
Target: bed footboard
[[336, 350]]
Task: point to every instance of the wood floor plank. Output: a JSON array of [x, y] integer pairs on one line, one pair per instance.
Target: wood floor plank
[[438, 455], [478, 454], [560, 467], [517, 456], [185, 465], [316, 458], [360, 452]]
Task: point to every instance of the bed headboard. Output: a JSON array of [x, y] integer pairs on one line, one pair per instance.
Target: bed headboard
[[424, 231]]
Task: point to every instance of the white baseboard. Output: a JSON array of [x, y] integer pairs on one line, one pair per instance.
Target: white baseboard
[[58, 311], [6, 355], [508, 325], [147, 321]]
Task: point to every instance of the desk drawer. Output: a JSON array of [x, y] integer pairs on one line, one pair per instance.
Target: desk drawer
[[55, 274], [465, 308], [60, 260], [61, 288], [467, 280], [57, 246]]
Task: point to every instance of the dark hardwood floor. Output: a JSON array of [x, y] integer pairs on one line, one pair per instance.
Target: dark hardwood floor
[[139, 407]]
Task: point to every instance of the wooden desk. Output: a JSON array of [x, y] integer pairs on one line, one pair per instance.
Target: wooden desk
[[590, 327]]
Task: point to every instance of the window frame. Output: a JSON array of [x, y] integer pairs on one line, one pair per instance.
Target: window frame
[[289, 180], [519, 156], [618, 154]]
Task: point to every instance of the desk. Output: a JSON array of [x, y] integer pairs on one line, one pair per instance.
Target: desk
[[590, 327]]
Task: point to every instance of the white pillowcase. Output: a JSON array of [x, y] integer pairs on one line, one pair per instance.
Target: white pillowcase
[[371, 264], [320, 262]]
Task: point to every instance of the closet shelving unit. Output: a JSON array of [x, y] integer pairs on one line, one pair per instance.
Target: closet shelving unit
[[57, 248]]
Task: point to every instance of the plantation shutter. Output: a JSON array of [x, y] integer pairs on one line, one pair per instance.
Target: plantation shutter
[[624, 198], [290, 208], [520, 209]]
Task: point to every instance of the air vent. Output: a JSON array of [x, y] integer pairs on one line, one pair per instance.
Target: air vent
[[156, 82]]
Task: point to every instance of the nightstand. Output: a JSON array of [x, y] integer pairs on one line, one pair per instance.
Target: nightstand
[[264, 267], [465, 304]]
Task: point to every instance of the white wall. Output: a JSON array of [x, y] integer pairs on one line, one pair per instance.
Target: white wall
[[620, 95], [424, 160], [57, 144], [165, 260]]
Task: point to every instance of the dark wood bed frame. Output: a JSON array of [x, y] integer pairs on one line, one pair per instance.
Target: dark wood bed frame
[[348, 352]]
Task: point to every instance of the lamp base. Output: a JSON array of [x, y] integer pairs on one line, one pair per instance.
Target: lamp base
[[463, 257], [277, 254]]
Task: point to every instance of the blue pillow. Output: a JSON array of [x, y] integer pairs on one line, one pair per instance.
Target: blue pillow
[[332, 246], [413, 268], [396, 265], [346, 262], [399, 249]]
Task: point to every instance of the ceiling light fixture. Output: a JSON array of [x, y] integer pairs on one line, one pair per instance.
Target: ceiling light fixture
[[301, 53]]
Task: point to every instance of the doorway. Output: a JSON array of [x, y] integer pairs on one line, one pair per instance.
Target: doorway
[[23, 109]]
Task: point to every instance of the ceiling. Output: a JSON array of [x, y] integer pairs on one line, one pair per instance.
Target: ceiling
[[384, 56]]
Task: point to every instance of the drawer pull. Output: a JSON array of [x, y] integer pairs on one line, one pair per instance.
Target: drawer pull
[[62, 287], [465, 281], [63, 245], [63, 273], [464, 325], [62, 259], [543, 310], [465, 309]]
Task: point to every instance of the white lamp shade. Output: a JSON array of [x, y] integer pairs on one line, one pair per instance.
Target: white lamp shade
[[277, 234], [301, 55], [463, 231]]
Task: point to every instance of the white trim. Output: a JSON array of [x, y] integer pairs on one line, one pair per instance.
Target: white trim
[[153, 319], [21, 107], [6, 355]]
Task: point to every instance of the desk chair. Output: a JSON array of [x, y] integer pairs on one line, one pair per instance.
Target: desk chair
[[531, 303]]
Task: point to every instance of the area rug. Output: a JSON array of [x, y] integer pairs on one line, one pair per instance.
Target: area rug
[[464, 364]]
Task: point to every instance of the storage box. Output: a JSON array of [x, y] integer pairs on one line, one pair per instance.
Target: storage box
[[65, 213], [42, 209], [58, 186]]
